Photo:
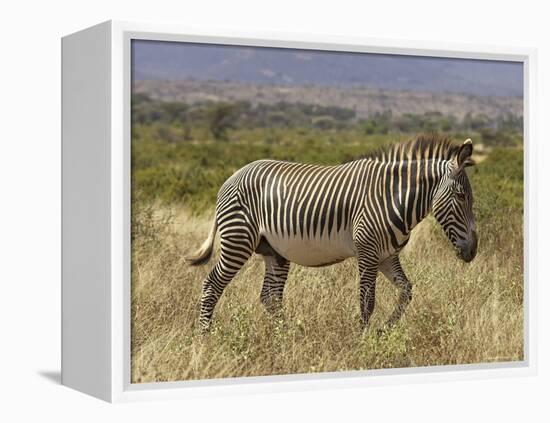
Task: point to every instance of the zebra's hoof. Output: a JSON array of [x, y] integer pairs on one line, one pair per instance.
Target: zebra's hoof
[[382, 331], [204, 330]]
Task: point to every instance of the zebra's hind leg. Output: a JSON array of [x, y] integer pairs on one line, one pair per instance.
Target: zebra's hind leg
[[276, 273], [392, 269], [237, 245]]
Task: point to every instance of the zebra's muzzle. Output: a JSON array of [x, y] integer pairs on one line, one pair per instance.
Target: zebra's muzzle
[[467, 249]]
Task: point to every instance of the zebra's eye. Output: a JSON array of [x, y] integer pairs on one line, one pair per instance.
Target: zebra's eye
[[460, 194]]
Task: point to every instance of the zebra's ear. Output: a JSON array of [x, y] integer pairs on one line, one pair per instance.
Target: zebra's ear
[[464, 155]]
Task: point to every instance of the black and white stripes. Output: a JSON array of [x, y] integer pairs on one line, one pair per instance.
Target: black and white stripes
[[318, 215]]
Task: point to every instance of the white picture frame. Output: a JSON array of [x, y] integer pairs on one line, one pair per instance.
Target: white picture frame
[[96, 213]]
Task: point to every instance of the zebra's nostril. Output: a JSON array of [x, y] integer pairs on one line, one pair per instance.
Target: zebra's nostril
[[467, 248]]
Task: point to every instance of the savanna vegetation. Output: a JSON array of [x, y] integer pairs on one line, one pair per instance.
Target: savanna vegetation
[[460, 313]]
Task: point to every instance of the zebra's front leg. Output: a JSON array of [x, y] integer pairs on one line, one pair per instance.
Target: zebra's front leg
[[276, 273], [391, 268], [368, 269]]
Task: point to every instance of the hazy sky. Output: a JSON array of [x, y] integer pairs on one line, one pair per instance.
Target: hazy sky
[[175, 61]]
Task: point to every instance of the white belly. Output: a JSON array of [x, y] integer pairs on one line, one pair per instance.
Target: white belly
[[313, 251]]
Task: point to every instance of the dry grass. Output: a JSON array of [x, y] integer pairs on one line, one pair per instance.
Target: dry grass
[[460, 313]]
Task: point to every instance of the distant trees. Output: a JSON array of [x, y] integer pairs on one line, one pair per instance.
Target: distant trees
[[323, 122], [221, 117], [496, 137], [177, 121], [382, 123], [476, 122], [378, 123]]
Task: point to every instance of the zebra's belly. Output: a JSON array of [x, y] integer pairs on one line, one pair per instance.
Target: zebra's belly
[[313, 251]]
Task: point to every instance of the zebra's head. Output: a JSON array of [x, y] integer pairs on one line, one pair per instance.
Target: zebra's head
[[452, 204]]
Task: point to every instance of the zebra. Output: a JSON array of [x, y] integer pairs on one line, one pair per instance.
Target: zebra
[[315, 215]]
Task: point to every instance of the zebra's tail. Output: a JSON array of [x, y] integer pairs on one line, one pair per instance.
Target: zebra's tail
[[203, 254]]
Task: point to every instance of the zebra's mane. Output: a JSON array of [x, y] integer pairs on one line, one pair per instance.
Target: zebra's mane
[[432, 146]]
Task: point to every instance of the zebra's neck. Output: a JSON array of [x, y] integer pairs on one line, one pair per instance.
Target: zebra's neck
[[408, 188]]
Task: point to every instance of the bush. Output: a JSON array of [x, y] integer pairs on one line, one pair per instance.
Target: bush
[[493, 137], [220, 119]]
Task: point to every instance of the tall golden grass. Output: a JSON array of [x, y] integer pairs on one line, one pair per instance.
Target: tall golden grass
[[460, 313]]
